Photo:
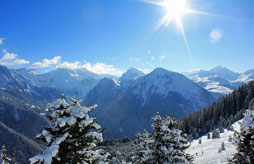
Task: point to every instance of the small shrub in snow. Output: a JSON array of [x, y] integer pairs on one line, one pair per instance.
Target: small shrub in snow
[[199, 141], [221, 129], [208, 136], [215, 133], [223, 146]]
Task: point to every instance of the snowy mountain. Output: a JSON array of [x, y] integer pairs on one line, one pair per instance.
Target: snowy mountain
[[224, 73], [219, 80], [125, 111], [103, 94], [12, 81], [68, 81], [131, 74], [246, 76]]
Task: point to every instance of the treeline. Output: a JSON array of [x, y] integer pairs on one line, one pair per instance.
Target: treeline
[[221, 113]]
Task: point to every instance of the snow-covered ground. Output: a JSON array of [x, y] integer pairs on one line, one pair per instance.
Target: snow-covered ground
[[207, 151]]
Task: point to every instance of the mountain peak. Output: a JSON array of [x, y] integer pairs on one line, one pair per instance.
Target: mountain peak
[[224, 73], [219, 68], [160, 70], [131, 74]]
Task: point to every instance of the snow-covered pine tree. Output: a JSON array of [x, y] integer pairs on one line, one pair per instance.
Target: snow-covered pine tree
[[168, 142], [143, 145], [245, 141], [72, 136]]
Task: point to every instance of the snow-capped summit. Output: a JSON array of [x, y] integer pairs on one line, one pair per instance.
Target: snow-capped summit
[[131, 74], [224, 73], [12, 81], [251, 71], [162, 82]]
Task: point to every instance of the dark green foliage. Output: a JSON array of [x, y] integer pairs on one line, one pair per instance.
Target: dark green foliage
[[229, 107], [245, 147]]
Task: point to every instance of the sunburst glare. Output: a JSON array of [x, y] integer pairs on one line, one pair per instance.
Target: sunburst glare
[[174, 10]]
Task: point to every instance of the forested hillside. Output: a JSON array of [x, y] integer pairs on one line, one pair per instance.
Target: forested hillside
[[221, 113]]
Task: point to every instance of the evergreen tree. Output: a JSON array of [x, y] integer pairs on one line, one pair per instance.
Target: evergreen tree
[[72, 137], [200, 141], [168, 142], [245, 141], [143, 145]]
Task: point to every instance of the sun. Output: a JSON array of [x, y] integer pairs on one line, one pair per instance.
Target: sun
[[174, 9]]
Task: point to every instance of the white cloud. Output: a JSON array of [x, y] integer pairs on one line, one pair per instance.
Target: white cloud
[[102, 68], [149, 51], [74, 65], [1, 41], [152, 57], [46, 62], [8, 56], [10, 59], [162, 57], [98, 68], [215, 35], [20, 61]]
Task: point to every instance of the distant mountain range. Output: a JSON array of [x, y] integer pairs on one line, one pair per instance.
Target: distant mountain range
[[66, 80], [126, 109], [220, 80]]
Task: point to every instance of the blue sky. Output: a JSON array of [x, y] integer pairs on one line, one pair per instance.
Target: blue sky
[[109, 36]]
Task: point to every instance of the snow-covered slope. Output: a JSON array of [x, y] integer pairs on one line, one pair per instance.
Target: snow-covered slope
[[207, 152]]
